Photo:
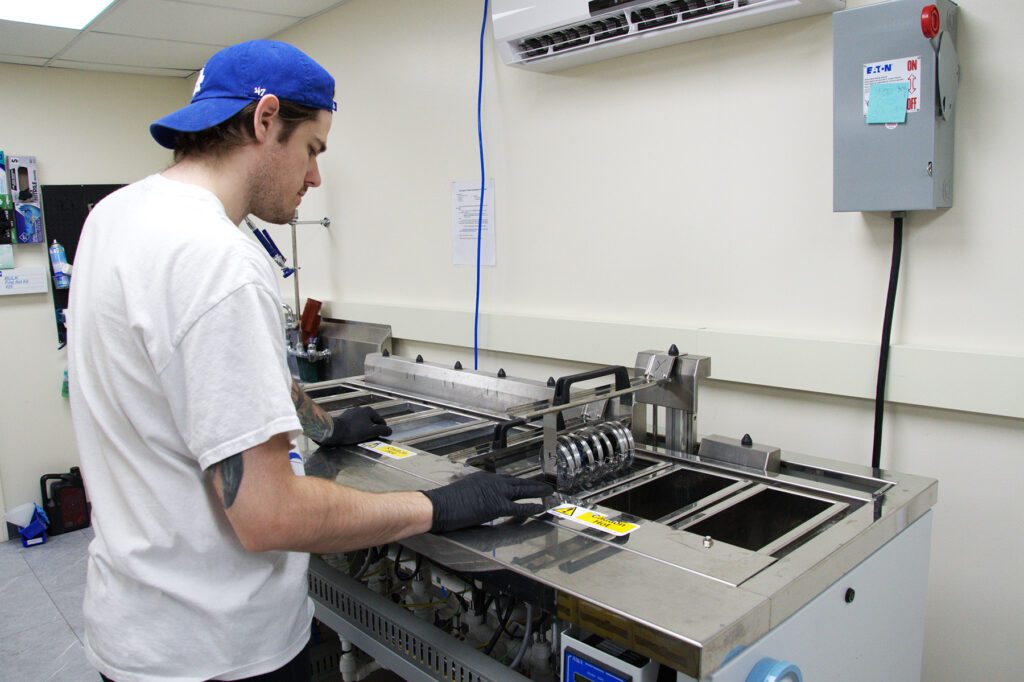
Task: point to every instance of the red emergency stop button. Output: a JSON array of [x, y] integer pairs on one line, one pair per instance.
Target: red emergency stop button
[[930, 21]]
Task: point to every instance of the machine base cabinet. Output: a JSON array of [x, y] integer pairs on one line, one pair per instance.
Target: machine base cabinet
[[867, 627], [659, 558]]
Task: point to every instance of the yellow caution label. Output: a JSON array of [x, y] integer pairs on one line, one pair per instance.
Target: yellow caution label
[[593, 519], [386, 449]]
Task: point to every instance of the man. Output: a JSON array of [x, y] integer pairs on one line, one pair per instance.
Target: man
[[184, 410]]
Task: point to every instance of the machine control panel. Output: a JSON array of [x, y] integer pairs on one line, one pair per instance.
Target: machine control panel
[[578, 668], [590, 658]]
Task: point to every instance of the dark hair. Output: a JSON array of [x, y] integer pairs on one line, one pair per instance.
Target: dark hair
[[238, 130]]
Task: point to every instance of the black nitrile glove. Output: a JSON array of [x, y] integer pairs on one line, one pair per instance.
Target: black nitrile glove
[[482, 497], [357, 425]]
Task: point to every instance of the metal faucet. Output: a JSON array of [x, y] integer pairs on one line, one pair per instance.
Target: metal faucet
[[309, 353], [291, 337], [291, 321]]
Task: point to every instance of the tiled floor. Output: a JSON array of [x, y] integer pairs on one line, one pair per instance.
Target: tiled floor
[[41, 630]]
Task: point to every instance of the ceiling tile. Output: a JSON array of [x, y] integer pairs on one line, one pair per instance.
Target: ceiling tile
[[104, 48], [189, 22], [143, 71], [17, 59], [294, 8], [32, 40]]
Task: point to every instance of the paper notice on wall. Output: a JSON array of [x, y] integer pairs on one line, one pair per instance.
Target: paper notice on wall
[[888, 103], [467, 218], [26, 280]]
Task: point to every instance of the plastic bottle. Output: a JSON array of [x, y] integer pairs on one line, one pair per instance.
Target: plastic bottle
[[59, 261], [539, 661], [420, 598], [298, 466]]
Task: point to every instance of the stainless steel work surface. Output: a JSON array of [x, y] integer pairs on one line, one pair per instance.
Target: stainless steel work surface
[[723, 552]]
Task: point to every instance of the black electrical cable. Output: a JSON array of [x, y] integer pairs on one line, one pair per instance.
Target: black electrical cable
[[883, 354], [478, 598], [402, 575], [373, 555], [368, 559], [501, 626]]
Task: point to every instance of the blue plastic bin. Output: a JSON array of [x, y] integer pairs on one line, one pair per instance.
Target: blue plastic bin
[[35, 532]]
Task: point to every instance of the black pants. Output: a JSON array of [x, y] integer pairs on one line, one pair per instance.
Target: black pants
[[299, 669]]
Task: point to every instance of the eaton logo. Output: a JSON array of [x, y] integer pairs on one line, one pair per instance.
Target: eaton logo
[[878, 68]]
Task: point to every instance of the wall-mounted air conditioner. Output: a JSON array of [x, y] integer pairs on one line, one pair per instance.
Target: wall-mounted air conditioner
[[547, 35]]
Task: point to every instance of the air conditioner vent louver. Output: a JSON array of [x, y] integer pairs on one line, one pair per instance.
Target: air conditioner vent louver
[[567, 38], [667, 13], [559, 42], [655, 15]]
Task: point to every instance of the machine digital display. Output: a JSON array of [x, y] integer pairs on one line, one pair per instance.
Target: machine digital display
[[579, 668]]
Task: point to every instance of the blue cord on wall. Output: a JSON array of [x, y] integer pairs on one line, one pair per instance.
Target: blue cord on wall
[[483, 185]]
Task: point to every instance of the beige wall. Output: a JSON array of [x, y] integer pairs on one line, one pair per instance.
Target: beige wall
[[686, 188], [697, 179], [689, 189], [84, 128]]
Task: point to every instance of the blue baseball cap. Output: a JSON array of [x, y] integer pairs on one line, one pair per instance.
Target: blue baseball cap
[[244, 73]]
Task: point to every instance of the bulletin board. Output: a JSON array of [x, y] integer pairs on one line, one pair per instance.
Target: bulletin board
[[65, 208]]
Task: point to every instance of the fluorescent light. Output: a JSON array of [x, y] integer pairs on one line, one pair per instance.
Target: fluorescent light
[[60, 13]]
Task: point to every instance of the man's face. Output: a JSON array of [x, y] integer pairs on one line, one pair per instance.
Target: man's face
[[288, 169]]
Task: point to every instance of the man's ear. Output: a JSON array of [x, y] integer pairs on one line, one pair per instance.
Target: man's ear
[[263, 117]]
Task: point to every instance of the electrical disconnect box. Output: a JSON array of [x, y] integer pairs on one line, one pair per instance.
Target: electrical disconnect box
[[895, 80]]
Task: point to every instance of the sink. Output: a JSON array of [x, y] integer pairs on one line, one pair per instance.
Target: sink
[[668, 495]]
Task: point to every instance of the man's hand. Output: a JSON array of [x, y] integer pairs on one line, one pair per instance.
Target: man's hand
[[351, 427], [356, 425], [482, 497]]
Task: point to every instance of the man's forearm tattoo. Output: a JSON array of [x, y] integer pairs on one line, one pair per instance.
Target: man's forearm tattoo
[[231, 478], [316, 423]]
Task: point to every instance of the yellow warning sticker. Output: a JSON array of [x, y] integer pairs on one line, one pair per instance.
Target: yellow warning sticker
[[591, 518], [386, 449]]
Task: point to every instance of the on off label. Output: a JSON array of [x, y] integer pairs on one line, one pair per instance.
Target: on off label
[[388, 450], [591, 518], [902, 70]]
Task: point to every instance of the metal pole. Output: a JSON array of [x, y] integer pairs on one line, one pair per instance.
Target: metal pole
[[295, 263], [326, 222], [678, 430]]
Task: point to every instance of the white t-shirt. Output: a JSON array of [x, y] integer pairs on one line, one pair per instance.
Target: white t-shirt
[[176, 362]]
